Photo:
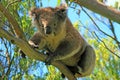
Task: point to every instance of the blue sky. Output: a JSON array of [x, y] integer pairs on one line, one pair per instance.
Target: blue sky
[[83, 17], [74, 17]]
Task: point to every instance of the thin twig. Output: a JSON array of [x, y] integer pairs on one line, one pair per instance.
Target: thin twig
[[113, 31], [100, 8], [96, 24], [9, 66], [12, 3], [29, 52], [7, 54], [102, 32], [15, 26], [106, 46]]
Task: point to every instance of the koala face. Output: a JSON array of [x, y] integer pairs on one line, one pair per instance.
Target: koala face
[[49, 21]]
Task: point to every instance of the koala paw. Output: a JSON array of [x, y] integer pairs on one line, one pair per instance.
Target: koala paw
[[22, 53], [33, 44]]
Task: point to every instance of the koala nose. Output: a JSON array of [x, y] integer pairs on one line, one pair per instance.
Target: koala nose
[[48, 30]]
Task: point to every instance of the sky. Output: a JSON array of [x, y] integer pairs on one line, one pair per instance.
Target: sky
[[74, 17], [83, 17], [111, 2]]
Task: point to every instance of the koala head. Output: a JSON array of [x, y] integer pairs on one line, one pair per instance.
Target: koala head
[[49, 21]]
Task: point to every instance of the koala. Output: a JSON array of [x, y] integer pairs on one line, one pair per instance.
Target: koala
[[56, 34]]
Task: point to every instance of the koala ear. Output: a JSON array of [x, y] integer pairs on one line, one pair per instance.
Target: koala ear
[[64, 5], [62, 12], [33, 13]]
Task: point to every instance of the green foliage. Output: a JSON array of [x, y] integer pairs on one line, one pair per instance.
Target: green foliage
[[19, 68], [53, 74], [76, 24], [107, 64], [117, 5], [58, 2]]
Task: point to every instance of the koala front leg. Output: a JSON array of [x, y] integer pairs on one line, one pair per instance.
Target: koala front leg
[[87, 62], [65, 50], [34, 42], [50, 56]]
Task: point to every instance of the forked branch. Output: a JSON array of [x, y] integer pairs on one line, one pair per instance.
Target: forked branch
[[100, 8], [21, 42]]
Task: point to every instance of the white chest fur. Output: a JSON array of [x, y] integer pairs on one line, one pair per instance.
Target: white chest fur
[[53, 42]]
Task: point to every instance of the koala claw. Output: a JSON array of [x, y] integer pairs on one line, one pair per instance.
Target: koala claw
[[48, 60], [22, 53], [33, 44]]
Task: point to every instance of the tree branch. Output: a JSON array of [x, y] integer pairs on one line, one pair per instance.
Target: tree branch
[[31, 53], [103, 33], [21, 42], [113, 31], [12, 3], [11, 19], [100, 8], [114, 38]]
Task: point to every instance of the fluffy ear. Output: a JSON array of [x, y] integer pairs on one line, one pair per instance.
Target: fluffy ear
[[64, 5], [32, 13], [62, 11]]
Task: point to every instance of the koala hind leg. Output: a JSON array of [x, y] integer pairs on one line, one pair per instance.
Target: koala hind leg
[[73, 69], [87, 62]]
